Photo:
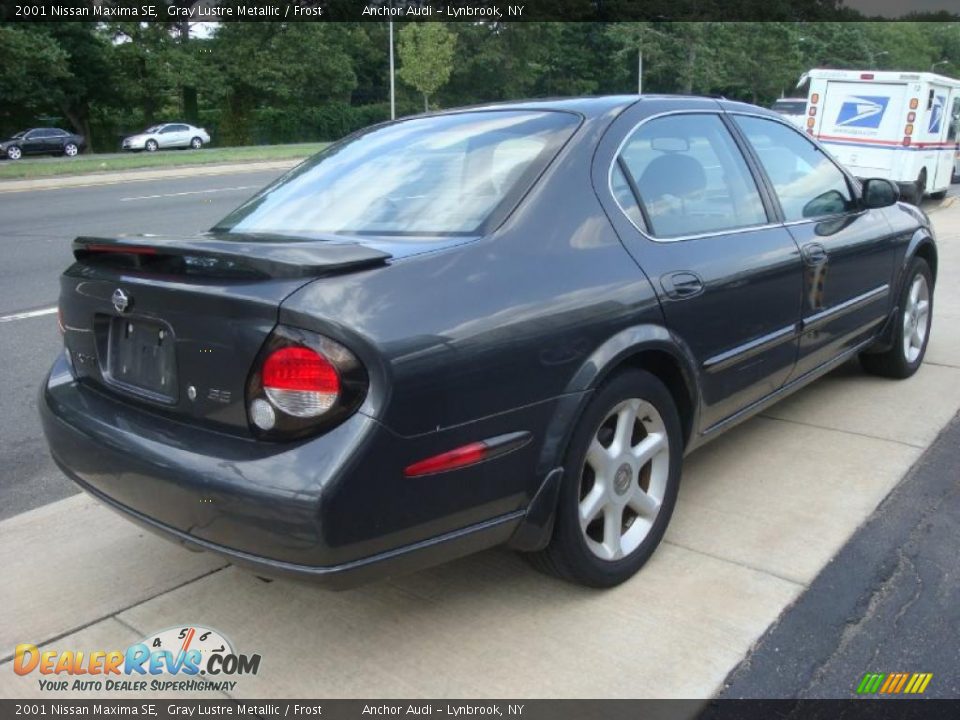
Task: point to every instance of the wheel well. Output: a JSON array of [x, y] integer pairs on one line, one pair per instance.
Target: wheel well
[[669, 371], [929, 253]]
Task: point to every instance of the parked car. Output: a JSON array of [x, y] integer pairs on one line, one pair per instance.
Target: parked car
[[42, 141], [499, 325], [792, 109], [165, 136]]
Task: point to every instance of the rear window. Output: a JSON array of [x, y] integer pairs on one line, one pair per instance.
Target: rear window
[[450, 174]]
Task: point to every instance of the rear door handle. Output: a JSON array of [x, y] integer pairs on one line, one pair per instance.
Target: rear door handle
[[681, 285], [814, 254]]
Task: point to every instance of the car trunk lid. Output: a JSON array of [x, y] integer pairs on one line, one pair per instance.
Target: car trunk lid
[[176, 323]]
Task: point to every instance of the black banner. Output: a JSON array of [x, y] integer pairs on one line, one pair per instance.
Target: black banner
[[475, 709], [472, 10]]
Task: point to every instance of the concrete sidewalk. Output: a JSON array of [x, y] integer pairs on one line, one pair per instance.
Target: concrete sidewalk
[[762, 510], [125, 176]]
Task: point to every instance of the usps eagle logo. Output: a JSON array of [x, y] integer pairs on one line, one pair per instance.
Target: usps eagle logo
[[864, 111], [936, 114]]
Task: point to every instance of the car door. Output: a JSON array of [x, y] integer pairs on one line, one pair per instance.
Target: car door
[[180, 136], [691, 212], [167, 136], [848, 252], [34, 141], [55, 141]]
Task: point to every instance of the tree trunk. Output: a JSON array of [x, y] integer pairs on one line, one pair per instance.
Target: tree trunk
[[80, 122], [191, 112], [426, 107]]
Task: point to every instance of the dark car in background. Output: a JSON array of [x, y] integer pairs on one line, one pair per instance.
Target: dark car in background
[[42, 141], [500, 325]]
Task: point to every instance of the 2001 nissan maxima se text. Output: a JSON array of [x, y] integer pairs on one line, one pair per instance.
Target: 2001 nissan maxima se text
[[502, 325]]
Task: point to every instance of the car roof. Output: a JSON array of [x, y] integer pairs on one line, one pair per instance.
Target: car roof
[[598, 105]]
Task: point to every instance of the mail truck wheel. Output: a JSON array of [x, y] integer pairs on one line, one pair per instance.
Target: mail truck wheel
[[621, 476]]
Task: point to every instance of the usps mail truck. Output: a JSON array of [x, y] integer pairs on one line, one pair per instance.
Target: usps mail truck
[[900, 126]]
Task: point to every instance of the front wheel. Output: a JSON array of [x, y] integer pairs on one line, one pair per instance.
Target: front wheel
[[70, 150], [151, 146], [621, 477], [14, 153], [912, 329]]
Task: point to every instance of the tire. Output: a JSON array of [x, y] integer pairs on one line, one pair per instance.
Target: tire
[[591, 553], [939, 195], [71, 150], [151, 146], [14, 153], [196, 143], [905, 357]]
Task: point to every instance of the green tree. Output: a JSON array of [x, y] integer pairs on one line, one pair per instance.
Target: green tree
[[31, 63], [426, 57]]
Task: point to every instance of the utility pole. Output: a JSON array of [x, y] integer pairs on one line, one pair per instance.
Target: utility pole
[[640, 71], [393, 101]]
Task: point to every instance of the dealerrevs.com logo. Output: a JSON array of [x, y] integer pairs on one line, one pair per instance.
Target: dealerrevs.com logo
[[179, 659]]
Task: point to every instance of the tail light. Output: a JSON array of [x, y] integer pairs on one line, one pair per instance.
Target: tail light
[[302, 383]]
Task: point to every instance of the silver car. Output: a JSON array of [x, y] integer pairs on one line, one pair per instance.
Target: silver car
[[167, 135]]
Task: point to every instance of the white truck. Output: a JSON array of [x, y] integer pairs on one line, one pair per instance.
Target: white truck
[[902, 126]]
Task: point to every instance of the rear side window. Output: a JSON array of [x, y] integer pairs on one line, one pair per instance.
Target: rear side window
[[806, 181], [691, 177], [442, 175], [790, 107]]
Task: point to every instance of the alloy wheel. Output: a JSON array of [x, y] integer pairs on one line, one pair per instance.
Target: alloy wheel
[[916, 317], [70, 150], [13, 153], [624, 479]]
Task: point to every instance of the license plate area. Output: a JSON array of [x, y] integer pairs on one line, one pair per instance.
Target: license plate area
[[141, 358]]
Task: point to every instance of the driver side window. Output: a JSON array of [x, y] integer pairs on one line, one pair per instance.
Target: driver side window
[[806, 181]]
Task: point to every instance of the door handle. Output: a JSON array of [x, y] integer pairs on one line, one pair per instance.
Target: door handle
[[681, 285], [814, 254]]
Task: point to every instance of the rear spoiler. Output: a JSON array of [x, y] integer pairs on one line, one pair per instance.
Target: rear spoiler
[[283, 258]]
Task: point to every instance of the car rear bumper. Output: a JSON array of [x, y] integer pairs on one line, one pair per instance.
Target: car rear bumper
[[329, 509]]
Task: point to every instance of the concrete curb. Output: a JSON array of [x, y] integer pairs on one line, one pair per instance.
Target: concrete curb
[[123, 176]]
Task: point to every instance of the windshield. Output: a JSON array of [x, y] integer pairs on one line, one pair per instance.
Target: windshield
[[425, 176], [19, 134], [153, 128]]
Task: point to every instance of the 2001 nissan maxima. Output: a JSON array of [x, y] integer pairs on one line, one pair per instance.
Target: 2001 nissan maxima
[[501, 325]]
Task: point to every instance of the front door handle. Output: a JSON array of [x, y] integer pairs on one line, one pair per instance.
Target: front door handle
[[681, 285], [814, 254]]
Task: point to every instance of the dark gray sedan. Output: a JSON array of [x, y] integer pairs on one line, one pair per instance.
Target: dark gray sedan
[[499, 325], [42, 141]]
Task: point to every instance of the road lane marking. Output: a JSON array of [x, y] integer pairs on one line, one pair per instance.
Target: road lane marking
[[189, 192], [28, 314]]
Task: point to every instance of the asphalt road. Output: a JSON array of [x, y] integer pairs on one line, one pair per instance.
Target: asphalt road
[[36, 228]]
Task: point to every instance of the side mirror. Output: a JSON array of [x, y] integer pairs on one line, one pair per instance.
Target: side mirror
[[879, 193]]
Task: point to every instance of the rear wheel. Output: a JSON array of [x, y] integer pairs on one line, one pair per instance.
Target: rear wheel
[[621, 477], [196, 143], [70, 150], [912, 330]]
